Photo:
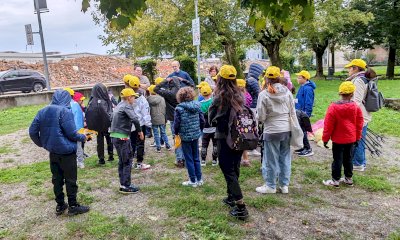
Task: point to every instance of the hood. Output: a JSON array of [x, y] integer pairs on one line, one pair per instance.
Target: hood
[[100, 91], [255, 70], [193, 106], [154, 100], [61, 98], [281, 93], [311, 84]]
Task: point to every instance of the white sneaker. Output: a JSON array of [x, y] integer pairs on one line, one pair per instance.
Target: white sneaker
[[331, 183], [200, 183], [142, 166], [284, 189], [81, 165], [254, 153], [203, 163], [359, 168], [153, 144], [265, 189], [189, 184]]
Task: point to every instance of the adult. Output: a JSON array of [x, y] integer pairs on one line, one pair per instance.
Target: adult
[[98, 118], [53, 128], [253, 87], [356, 71], [144, 81], [213, 71], [274, 107], [228, 97], [180, 73], [168, 90]]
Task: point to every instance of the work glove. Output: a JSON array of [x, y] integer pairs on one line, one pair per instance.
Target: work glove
[[326, 144]]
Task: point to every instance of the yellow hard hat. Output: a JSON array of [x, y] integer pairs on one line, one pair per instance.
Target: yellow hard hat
[[273, 72], [134, 82], [70, 91], [205, 90], [241, 83], [127, 92], [151, 89], [202, 84], [228, 72], [347, 87], [127, 77], [357, 63], [158, 80], [305, 74]]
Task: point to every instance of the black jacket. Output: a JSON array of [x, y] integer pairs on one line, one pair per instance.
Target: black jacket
[[99, 109], [252, 85], [218, 116], [123, 118]]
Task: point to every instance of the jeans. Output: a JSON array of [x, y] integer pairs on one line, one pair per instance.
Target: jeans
[[100, 144], [342, 155], [178, 151], [157, 137], [359, 152], [125, 157], [205, 141], [276, 163], [64, 170], [191, 153], [229, 162], [79, 152]]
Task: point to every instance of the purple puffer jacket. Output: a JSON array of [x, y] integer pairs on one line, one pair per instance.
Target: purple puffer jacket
[[248, 99]]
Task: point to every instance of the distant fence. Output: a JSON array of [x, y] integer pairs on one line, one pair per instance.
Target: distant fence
[[24, 99]]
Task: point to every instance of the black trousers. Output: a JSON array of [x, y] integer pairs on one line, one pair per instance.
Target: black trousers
[[125, 157], [306, 143], [64, 170], [138, 145], [229, 162], [205, 141], [100, 144], [342, 155]]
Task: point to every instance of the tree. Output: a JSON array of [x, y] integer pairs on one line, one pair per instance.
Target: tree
[[165, 27], [384, 29]]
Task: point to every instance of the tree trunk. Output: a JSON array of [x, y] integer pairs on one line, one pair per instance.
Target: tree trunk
[[391, 62], [273, 53], [332, 50], [232, 57], [319, 50]]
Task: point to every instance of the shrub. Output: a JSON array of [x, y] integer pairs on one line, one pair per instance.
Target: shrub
[[306, 60], [188, 65], [149, 68]]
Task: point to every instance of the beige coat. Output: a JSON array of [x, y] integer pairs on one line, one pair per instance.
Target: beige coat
[[359, 96]]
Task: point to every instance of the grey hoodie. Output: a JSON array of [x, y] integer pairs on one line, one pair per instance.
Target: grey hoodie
[[273, 109], [157, 109]]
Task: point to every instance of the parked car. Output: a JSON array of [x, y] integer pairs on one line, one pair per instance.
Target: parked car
[[22, 80]]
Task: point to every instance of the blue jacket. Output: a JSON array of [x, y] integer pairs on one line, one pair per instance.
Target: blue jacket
[[182, 74], [54, 128], [78, 114], [305, 97], [252, 85], [189, 121]]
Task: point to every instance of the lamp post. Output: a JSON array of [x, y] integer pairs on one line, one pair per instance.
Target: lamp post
[[198, 45]]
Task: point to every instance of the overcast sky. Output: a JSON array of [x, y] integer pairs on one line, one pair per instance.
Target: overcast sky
[[66, 29]]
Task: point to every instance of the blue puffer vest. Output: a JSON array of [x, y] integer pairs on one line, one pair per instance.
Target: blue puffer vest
[[189, 129]]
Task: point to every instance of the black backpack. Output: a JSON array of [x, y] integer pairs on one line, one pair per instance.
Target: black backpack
[[374, 99], [242, 130], [97, 116]]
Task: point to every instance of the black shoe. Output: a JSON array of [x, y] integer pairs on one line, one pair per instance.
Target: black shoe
[[129, 190], [110, 158], [229, 202], [60, 209], [101, 161], [77, 209], [298, 150], [240, 212]]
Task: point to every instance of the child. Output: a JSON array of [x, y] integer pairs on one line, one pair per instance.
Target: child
[[202, 84], [142, 111], [343, 125], [305, 102], [121, 125], [188, 124], [157, 112], [208, 131], [79, 98]]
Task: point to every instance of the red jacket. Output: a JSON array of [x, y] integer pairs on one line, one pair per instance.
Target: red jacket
[[343, 123]]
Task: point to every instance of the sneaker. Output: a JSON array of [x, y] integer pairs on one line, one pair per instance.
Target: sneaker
[[239, 212], [159, 150], [331, 183], [129, 190], [254, 153], [284, 189], [203, 163], [214, 163], [200, 183], [81, 165], [359, 168], [245, 163], [298, 150], [101, 161], [142, 166], [168, 148], [229, 202], [111, 158], [189, 184], [265, 189], [306, 153], [153, 144], [347, 181], [77, 209], [85, 155], [60, 209], [180, 164], [163, 145]]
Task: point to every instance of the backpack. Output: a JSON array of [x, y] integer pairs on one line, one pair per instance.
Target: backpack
[[374, 99], [243, 132], [97, 117]]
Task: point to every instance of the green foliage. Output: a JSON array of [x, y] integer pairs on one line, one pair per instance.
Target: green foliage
[[149, 68], [13, 119], [350, 55], [373, 183], [287, 60], [306, 60], [188, 64], [394, 235]]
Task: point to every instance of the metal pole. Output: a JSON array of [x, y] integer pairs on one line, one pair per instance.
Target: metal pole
[[46, 67], [197, 47]]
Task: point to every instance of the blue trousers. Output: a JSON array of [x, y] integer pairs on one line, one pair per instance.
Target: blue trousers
[[192, 160], [359, 152], [160, 135], [178, 151]]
